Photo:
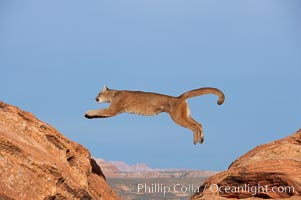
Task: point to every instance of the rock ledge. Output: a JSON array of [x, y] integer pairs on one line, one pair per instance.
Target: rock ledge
[[269, 171], [38, 162]]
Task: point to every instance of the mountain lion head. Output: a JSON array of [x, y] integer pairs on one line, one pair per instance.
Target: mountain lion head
[[104, 96]]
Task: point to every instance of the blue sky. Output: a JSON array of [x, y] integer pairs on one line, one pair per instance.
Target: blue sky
[[56, 55]]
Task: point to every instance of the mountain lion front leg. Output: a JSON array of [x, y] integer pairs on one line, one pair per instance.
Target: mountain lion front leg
[[101, 113]]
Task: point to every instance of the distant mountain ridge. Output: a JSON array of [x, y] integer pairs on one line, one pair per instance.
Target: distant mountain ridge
[[115, 169], [123, 167]]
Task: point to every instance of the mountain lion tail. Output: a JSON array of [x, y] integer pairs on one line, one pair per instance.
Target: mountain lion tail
[[202, 91]]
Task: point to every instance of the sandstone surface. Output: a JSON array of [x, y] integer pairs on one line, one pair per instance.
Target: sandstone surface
[[38, 162], [269, 171]]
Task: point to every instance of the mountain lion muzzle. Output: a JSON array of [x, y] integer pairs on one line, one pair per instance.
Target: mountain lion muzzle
[[148, 103]]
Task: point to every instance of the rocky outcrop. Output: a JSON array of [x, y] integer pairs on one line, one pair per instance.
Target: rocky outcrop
[[269, 171], [38, 162]]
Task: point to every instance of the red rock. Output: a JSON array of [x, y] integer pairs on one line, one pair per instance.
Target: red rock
[[271, 170], [38, 162]]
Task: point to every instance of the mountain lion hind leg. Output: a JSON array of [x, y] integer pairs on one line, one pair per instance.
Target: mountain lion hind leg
[[198, 132], [181, 116]]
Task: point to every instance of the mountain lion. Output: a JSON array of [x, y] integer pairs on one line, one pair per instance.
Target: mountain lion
[[148, 103]]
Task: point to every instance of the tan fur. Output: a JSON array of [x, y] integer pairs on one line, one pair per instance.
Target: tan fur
[[148, 103]]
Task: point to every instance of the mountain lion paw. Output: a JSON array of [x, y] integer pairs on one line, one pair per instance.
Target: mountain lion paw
[[89, 114]]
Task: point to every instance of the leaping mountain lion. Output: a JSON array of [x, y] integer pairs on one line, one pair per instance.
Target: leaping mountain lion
[[148, 103]]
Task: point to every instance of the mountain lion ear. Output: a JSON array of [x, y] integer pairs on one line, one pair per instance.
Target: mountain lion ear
[[105, 88]]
